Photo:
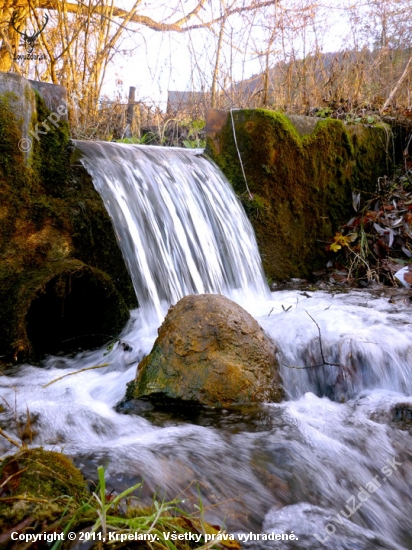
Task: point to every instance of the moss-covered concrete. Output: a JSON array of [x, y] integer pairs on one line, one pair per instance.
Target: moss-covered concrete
[[301, 183], [55, 235]]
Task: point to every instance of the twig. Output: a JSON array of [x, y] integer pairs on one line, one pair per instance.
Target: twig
[[321, 353], [310, 366], [321, 346], [75, 372], [11, 440], [239, 155], [8, 479], [1, 397], [397, 85], [21, 497]]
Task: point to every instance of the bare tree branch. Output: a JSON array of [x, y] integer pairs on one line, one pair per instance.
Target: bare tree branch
[[177, 26]]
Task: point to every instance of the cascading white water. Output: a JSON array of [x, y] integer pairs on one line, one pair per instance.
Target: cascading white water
[[366, 343], [180, 226], [278, 468]]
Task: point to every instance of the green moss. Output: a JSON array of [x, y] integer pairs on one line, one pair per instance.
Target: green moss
[[255, 207], [10, 135], [50, 217], [50, 153], [303, 184], [39, 487], [92, 233]]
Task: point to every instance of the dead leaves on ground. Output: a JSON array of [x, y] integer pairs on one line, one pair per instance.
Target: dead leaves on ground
[[377, 242]]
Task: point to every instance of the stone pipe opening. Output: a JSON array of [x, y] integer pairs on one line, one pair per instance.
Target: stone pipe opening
[[77, 309]]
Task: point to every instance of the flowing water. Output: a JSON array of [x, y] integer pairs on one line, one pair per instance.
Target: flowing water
[[170, 211], [301, 465]]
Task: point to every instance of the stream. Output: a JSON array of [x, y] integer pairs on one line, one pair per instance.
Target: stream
[[330, 465], [276, 468]]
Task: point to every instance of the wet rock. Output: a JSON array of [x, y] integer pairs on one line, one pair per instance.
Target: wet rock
[[210, 351], [303, 528], [402, 416]]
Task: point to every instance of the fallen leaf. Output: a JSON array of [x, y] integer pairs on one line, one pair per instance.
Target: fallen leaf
[[10, 479], [202, 527]]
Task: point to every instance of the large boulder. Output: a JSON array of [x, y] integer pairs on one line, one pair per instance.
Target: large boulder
[[210, 351]]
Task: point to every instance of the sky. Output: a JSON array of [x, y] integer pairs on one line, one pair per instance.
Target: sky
[[156, 62]]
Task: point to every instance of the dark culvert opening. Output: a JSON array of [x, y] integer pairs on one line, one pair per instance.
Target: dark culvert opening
[[74, 311]]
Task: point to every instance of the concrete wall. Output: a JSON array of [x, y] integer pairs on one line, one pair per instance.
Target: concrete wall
[[301, 172]]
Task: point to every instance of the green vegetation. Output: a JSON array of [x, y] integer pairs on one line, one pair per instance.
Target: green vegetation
[[39, 487], [301, 185], [195, 144], [193, 140], [44, 493], [54, 233], [146, 139]]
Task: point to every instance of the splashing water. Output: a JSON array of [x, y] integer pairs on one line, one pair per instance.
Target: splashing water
[[289, 466], [346, 363]]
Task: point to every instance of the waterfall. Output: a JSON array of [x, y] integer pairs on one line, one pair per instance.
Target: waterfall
[[180, 226], [294, 466]]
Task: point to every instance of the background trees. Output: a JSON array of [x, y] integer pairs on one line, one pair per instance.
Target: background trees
[[298, 55]]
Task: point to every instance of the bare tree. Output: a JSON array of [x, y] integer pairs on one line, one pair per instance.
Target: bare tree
[[283, 40]]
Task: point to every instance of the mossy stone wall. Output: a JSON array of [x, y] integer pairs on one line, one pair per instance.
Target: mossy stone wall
[[301, 181], [58, 250]]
